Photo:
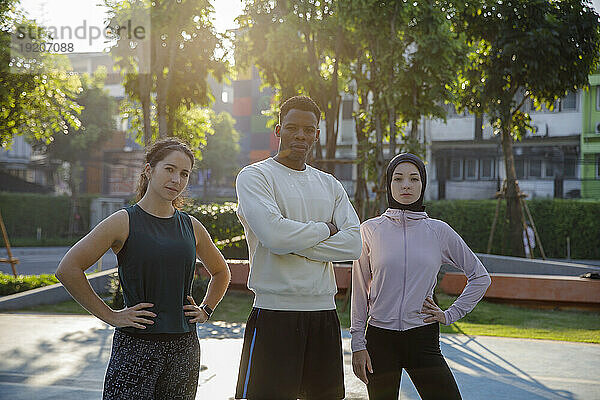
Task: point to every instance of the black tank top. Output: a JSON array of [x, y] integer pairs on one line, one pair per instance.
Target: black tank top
[[156, 265]]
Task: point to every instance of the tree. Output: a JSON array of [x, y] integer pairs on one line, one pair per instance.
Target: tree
[[220, 155], [97, 125], [36, 92], [299, 47], [522, 50], [406, 56], [168, 70]]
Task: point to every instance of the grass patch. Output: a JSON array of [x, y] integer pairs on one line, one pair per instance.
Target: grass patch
[[235, 307], [487, 319], [491, 319]]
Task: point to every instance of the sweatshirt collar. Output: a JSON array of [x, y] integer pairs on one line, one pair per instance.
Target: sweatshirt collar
[[396, 214]]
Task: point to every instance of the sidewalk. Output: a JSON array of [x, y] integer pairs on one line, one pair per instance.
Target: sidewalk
[[64, 357]]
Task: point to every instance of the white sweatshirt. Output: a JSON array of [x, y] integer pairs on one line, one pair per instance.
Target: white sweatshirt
[[284, 214], [401, 257]]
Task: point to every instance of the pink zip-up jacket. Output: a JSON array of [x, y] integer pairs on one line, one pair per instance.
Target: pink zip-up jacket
[[401, 256]]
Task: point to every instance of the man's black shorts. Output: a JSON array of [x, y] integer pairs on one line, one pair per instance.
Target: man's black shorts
[[290, 355]]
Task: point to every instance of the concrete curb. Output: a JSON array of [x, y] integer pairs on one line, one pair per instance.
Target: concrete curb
[[518, 265], [54, 293]]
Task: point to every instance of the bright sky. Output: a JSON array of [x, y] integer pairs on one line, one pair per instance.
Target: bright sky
[[76, 13]]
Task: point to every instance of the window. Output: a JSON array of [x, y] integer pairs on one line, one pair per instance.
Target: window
[[549, 169], [452, 113], [343, 172], [570, 167], [486, 168], [224, 97], [569, 102], [347, 109], [532, 106], [520, 168], [456, 169], [597, 98], [471, 169], [535, 168], [598, 167], [452, 110], [544, 107]]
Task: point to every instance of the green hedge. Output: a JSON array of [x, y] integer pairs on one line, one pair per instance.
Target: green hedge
[[23, 213], [472, 219], [555, 219], [221, 222], [10, 285]]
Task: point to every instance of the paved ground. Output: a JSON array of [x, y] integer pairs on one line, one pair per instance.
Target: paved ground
[[62, 357]]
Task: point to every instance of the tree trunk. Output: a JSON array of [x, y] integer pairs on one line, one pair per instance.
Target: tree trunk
[[381, 199], [171, 109], [161, 103], [391, 107], [393, 132], [332, 111], [361, 191], [145, 80], [331, 116], [75, 182], [514, 212]]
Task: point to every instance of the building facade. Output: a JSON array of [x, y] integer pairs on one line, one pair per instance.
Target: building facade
[[466, 161], [590, 140]]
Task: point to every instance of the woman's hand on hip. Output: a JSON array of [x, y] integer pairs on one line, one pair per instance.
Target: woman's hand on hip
[[361, 363], [437, 314], [193, 310], [133, 316]]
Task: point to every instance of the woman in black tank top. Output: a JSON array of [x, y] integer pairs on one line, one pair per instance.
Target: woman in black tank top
[[155, 353]]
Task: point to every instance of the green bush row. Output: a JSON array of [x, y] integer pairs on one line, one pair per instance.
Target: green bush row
[[23, 213], [221, 222], [10, 284], [555, 220]]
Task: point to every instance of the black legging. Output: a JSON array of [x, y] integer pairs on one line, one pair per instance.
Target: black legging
[[144, 369], [416, 350]]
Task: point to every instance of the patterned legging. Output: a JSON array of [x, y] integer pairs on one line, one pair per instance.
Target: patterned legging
[[152, 369]]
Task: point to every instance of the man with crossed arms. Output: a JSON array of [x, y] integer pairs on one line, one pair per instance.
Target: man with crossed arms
[[297, 220]]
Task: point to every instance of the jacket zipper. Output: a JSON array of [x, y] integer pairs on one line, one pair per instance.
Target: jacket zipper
[[405, 265]]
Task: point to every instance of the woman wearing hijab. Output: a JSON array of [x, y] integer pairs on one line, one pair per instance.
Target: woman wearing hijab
[[394, 321]]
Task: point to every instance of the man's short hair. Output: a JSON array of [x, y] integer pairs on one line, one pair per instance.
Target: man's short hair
[[303, 103]]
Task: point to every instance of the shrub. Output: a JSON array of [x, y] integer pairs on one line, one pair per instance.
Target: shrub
[[221, 222], [199, 288], [23, 213], [115, 301], [10, 284], [555, 219]]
